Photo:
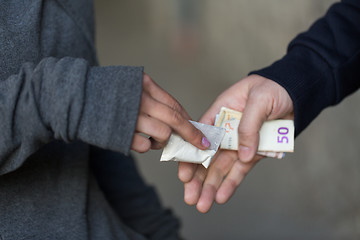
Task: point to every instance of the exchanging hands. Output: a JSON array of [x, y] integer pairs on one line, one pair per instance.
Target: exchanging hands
[[259, 99]]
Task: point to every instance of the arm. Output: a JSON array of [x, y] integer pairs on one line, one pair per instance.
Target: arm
[[66, 99], [322, 66]]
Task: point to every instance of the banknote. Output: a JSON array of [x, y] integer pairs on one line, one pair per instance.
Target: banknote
[[276, 136]]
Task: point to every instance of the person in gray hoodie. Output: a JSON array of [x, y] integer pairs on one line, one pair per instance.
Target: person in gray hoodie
[[67, 127]]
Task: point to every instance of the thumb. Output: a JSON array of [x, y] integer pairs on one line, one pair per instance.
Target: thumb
[[254, 115]]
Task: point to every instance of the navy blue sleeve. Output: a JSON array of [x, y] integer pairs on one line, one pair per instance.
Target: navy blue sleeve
[[135, 202], [322, 65]]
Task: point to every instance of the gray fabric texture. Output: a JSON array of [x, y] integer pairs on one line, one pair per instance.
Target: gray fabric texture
[[54, 101]]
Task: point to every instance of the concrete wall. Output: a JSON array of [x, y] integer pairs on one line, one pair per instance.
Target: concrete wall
[[195, 50]]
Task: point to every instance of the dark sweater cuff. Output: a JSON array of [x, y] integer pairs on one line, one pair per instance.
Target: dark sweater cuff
[[307, 78], [111, 107]]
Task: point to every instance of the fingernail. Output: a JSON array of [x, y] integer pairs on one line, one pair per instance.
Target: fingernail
[[244, 153], [205, 142]]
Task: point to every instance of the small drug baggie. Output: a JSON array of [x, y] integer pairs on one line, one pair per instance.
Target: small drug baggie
[[180, 150]]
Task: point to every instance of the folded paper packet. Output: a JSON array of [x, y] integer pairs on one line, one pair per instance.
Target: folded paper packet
[[180, 150]]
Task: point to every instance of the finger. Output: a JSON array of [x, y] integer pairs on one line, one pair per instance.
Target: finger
[[236, 175], [220, 167], [255, 113], [162, 96], [186, 171], [206, 199], [176, 121], [192, 189], [140, 144], [216, 173], [159, 132]]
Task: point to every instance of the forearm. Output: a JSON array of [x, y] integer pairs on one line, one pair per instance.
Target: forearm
[[322, 64], [66, 99]]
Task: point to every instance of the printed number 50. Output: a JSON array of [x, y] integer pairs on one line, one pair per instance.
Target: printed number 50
[[283, 131]]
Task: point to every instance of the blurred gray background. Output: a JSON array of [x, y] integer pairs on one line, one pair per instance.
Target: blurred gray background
[[195, 49]]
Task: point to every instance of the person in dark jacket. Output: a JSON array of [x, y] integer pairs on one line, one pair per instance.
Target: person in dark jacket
[[67, 125], [321, 67]]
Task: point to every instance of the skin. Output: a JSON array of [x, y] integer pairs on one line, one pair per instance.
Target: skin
[[259, 99], [159, 115]]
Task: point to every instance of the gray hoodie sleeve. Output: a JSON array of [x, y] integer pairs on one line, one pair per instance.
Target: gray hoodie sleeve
[[68, 100]]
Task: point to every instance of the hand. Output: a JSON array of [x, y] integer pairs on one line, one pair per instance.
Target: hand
[[159, 115], [259, 99]]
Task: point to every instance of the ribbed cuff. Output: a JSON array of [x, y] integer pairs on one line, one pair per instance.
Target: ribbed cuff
[[111, 107]]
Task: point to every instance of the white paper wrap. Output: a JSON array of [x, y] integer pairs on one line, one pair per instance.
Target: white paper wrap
[[179, 150]]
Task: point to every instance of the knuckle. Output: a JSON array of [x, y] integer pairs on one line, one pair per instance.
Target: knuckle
[[195, 137], [176, 118], [146, 101], [147, 81], [220, 170], [244, 134], [240, 169], [164, 134], [211, 187], [259, 95], [201, 174], [185, 172], [176, 106], [146, 77], [197, 182], [144, 146], [233, 183]]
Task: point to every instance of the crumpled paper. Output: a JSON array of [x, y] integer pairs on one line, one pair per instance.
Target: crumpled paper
[[180, 150]]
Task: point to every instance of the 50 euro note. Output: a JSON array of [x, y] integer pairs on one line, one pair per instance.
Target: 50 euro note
[[276, 136]]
